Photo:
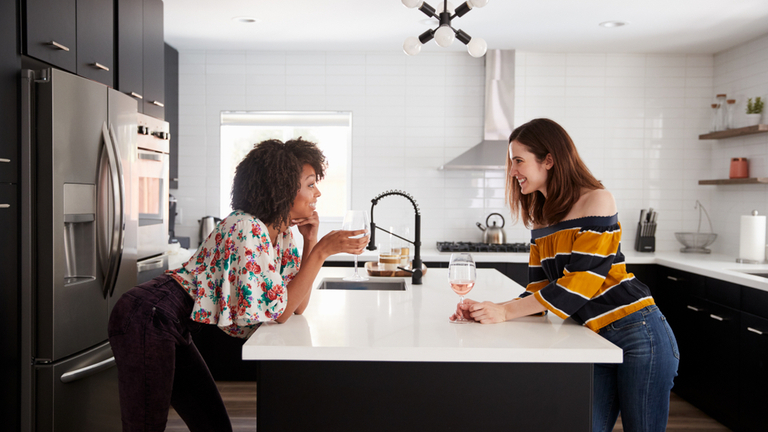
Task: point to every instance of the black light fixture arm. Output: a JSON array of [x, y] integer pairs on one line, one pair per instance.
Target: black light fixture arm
[[428, 10], [476, 47], [460, 11], [445, 18], [416, 272]]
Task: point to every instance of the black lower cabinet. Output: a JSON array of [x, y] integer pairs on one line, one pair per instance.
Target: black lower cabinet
[[9, 308], [224, 355], [753, 374], [722, 333], [720, 363], [423, 396]]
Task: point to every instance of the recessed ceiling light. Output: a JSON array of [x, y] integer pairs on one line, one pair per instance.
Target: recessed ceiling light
[[245, 19], [612, 24]]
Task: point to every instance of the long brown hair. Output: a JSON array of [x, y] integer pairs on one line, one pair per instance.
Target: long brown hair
[[565, 181]]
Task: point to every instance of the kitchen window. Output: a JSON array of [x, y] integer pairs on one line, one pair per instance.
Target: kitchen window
[[332, 131]]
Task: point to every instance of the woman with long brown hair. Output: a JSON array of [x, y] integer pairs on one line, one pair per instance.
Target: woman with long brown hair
[[576, 269]]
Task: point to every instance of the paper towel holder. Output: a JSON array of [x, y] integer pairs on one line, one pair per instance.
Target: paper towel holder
[[748, 261]]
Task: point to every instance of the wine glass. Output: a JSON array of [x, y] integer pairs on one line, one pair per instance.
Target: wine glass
[[355, 220], [461, 275]]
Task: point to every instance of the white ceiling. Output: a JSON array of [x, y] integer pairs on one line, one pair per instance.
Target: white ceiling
[[655, 26]]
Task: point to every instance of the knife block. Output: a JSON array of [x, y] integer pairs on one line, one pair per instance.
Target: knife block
[[644, 243]]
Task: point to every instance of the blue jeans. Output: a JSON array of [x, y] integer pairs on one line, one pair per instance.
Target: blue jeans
[[639, 387]]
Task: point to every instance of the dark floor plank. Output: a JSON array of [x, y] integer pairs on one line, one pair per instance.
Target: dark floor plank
[[240, 400]]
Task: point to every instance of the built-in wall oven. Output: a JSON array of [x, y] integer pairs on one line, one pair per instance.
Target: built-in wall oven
[[152, 173]]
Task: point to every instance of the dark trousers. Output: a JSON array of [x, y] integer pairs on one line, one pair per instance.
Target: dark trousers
[[158, 365]]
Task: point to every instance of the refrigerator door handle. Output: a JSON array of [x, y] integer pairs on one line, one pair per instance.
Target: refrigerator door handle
[[27, 318], [121, 222], [87, 371], [110, 251]]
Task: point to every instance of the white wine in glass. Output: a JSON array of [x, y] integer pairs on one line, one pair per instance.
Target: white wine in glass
[[461, 276], [355, 220]]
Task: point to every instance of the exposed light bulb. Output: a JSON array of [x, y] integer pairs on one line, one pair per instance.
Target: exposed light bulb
[[444, 36], [413, 3], [439, 8], [477, 47], [412, 46], [475, 3]]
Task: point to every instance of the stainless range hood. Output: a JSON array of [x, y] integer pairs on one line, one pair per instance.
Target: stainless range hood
[[491, 152]]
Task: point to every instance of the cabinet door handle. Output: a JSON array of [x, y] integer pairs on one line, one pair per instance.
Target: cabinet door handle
[[719, 318], [98, 65], [672, 278], [59, 46], [136, 95], [2, 206], [693, 308], [5, 160], [158, 103], [753, 330]]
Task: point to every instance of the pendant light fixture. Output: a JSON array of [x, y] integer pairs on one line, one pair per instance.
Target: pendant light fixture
[[444, 34]]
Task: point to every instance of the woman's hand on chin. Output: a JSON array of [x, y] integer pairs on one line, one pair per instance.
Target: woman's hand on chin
[[308, 226]]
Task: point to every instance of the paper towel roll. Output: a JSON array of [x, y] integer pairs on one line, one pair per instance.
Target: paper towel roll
[[752, 241]]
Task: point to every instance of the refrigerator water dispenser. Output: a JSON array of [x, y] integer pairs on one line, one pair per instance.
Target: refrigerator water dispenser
[[79, 233]]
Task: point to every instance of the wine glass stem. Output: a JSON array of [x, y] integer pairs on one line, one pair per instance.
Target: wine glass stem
[[355, 265]]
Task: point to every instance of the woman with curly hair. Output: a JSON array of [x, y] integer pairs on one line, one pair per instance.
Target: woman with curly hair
[[246, 272], [576, 269]]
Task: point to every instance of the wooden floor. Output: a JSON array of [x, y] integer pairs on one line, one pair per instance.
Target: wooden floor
[[240, 400]]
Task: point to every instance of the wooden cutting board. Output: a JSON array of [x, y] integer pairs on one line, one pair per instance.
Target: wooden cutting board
[[376, 269]]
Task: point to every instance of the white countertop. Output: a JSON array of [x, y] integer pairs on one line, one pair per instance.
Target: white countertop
[[413, 325], [721, 267]]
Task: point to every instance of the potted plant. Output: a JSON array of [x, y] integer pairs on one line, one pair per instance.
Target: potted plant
[[754, 111]]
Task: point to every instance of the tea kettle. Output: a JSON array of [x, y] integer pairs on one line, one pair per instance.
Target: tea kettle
[[207, 224], [493, 234]]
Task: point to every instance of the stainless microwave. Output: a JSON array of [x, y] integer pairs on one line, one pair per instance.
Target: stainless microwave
[[152, 172]]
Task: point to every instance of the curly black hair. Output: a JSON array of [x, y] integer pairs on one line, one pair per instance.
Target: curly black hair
[[268, 178]]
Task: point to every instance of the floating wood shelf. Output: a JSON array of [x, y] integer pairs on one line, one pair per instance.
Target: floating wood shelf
[[730, 133], [757, 180]]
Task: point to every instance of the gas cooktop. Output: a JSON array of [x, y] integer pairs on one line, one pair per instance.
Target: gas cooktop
[[482, 247]]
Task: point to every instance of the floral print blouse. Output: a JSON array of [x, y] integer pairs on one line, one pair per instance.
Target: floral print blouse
[[237, 277]]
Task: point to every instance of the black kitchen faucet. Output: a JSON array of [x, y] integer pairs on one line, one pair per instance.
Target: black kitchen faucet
[[416, 266]]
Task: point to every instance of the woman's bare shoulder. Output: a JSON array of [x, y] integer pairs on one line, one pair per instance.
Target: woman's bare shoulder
[[598, 202]]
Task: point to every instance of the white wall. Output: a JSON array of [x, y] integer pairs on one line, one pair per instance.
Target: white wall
[[410, 115], [740, 72], [635, 119]]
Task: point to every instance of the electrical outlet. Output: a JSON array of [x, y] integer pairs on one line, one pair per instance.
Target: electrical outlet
[[179, 216]]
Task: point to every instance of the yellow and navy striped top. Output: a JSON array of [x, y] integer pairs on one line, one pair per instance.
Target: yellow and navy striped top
[[577, 270]]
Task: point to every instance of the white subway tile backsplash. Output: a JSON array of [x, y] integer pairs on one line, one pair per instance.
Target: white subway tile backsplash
[[634, 117]]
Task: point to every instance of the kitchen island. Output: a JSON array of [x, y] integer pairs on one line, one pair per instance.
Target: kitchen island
[[391, 360]]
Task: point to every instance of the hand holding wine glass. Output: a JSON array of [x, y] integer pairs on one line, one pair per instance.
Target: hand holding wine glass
[[355, 220], [461, 276]]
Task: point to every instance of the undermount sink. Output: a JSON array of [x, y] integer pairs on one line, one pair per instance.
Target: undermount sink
[[369, 285], [758, 273]]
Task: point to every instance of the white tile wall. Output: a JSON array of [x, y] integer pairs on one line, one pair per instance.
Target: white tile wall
[[740, 72], [635, 119], [410, 116]]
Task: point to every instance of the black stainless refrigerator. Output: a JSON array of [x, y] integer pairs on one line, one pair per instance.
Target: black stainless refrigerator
[[79, 247]]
